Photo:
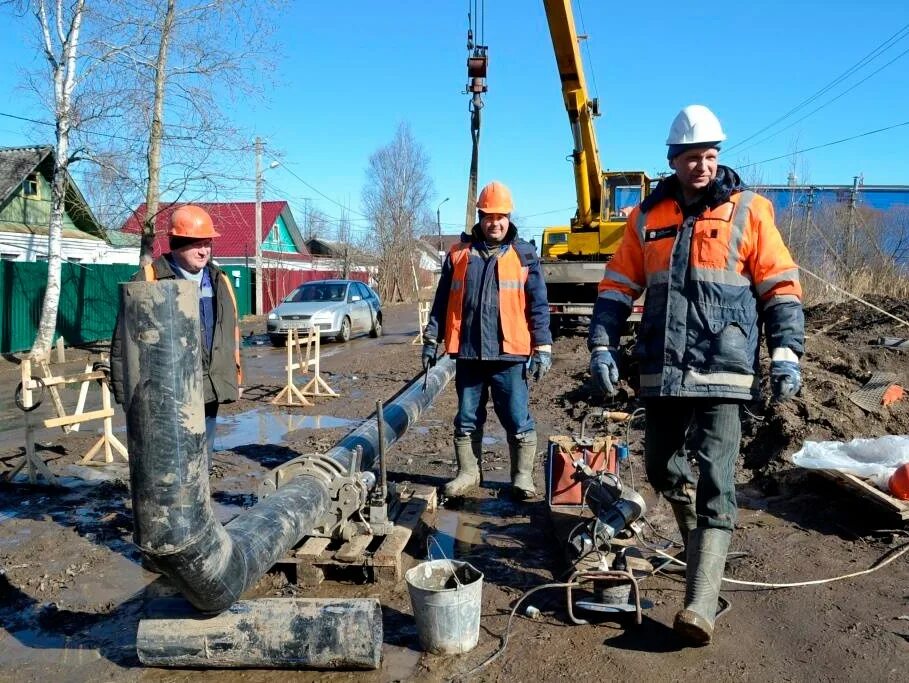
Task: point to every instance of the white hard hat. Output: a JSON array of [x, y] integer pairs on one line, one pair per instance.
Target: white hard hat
[[695, 124]]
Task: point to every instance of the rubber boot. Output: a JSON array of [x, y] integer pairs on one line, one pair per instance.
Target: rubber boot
[[706, 561], [523, 450], [687, 520], [467, 451]]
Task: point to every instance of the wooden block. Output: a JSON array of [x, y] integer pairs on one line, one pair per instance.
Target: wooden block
[[313, 548], [893, 505], [309, 576], [354, 549]]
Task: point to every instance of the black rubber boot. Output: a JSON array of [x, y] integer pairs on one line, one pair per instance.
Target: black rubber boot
[[707, 550]]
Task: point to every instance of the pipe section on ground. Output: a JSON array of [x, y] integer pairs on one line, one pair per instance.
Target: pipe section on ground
[[318, 633], [175, 526]]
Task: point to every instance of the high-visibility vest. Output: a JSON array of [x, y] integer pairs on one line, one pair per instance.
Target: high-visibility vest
[[512, 277]]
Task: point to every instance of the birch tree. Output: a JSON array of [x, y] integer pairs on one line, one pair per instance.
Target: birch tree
[[60, 27]]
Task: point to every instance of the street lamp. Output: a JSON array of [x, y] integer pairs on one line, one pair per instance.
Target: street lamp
[[273, 164], [439, 225]]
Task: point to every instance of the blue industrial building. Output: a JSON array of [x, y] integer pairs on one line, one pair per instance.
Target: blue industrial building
[[880, 197]]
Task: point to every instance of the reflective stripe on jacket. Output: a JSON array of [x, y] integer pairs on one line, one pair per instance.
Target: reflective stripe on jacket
[[512, 277], [495, 307], [709, 278]]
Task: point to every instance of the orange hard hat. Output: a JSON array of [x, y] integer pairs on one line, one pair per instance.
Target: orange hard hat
[[899, 482], [495, 198], [192, 222]]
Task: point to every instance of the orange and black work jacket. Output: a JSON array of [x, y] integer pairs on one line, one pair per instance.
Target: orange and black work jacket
[[714, 272], [491, 302], [221, 369]]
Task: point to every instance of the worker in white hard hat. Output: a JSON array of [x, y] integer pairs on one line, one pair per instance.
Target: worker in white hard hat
[[715, 268]]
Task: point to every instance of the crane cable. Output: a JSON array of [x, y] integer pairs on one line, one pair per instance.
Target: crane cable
[[477, 61]]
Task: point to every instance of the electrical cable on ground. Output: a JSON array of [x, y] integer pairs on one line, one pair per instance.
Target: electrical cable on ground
[[495, 655], [880, 563]]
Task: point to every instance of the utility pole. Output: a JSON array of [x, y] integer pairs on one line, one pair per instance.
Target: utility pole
[[439, 225], [850, 245], [258, 310]]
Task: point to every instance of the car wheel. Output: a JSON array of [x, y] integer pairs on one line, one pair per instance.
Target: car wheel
[[376, 327], [278, 340], [344, 334]]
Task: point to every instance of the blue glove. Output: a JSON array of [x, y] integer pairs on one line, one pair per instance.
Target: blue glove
[[785, 379], [539, 365], [604, 369], [428, 357]]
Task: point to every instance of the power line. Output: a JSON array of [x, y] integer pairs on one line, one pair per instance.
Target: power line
[[827, 144], [315, 189], [828, 102], [167, 139], [880, 49]]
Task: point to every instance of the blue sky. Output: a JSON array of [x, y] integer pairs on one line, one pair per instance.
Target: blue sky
[[348, 72]]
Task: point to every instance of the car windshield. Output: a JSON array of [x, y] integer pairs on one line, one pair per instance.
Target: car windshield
[[318, 293]]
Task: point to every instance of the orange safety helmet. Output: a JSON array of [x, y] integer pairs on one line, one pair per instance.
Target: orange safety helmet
[[192, 222], [899, 482], [495, 198]]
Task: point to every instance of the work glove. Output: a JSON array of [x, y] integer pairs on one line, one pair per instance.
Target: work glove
[[604, 369], [540, 363], [428, 357], [785, 379]]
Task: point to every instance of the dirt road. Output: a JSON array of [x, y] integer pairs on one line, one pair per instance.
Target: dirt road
[[72, 588]]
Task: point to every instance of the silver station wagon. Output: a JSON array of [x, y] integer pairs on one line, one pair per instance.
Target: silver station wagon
[[337, 308]]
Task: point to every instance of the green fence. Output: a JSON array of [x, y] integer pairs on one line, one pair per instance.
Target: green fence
[[89, 299]]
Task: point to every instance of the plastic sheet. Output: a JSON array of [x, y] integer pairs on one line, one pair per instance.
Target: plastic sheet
[[875, 459]]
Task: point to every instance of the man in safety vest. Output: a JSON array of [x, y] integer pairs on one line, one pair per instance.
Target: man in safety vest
[[190, 235], [491, 309], [715, 268]]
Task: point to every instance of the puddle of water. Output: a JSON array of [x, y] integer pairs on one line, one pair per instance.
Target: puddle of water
[[491, 441], [399, 664], [264, 426], [456, 531]]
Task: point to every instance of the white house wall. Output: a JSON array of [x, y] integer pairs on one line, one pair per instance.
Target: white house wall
[[30, 247]]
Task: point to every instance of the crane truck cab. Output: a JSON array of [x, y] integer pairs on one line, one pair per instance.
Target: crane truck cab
[[574, 267]]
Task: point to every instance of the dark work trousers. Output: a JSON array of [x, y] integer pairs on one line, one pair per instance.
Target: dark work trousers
[[710, 430], [507, 381], [211, 418]]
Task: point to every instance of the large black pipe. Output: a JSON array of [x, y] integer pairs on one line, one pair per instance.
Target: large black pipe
[[175, 526]]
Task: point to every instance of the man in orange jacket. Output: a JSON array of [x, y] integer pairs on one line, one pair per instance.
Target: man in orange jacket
[[492, 311], [716, 269]]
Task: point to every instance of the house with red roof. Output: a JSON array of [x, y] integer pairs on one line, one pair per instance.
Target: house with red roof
[[286, 262]]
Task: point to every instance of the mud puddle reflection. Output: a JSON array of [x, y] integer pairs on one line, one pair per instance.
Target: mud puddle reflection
[[265, 426]]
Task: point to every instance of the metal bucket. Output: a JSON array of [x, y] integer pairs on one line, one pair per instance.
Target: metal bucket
[[446, 597]]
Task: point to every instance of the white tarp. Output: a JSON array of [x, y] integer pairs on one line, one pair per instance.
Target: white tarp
[[875, 459]]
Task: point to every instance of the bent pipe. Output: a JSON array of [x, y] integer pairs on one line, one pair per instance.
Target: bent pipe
[[175, 526]]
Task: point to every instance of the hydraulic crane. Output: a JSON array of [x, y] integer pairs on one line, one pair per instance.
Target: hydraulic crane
[[574, 256]]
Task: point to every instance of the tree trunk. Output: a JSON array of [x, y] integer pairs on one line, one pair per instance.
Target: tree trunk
[[64, 76], [156, 134]]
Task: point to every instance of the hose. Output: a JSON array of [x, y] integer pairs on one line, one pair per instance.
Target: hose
[[17, 396]]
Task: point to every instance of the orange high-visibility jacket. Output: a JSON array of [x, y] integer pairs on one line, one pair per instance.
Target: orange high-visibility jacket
[[512, 277], [708, 280]]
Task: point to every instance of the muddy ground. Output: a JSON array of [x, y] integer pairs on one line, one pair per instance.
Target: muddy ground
[[72, 587]]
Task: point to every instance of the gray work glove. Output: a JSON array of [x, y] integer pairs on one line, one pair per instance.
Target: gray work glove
[[604, 369], [540, 363], [428, 357], [785, 379]]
